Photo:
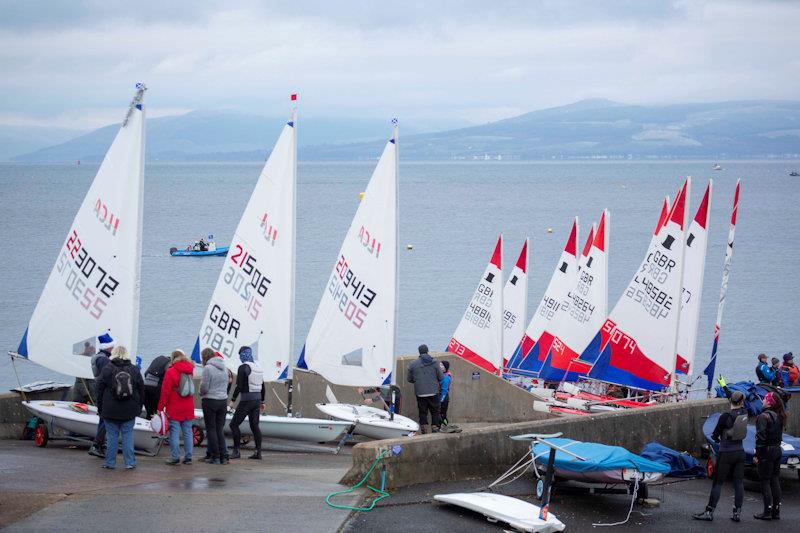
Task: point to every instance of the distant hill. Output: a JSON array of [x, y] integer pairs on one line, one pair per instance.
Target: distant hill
[[586, 129], [605, 129], [16, 140], [213, 135]]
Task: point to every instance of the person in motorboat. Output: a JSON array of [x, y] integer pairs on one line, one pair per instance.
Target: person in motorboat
[[120, 396], [789, 368], [764, 370], [776, 370], [444, 392], [153, 380], [98, 362], [214, 401], [202, 245], [382, 397], [250, 385], [177, 398], [769, 433], [729, 432], [426, 375]]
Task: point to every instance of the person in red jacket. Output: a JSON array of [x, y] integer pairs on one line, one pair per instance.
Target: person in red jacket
[[791, 368], [177, 398]]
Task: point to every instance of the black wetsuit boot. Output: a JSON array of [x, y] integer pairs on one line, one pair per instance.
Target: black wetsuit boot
[[707, 515], [737, 514]]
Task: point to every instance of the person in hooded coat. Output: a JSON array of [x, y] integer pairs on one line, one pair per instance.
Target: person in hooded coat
[[250, 386], [426, 375], [98, 362], [120, 395], [214, 400], [180, 409]]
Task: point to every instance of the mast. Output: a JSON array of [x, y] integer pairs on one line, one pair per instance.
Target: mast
[[137, 102], [687, 187], [395, 133], [293, 236], [502, 310]]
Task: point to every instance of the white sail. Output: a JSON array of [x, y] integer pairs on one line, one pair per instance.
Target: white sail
[[639, 339], [530, 352], [574, 329], [252, 304], [479, 335], [515, 304], [94, 285], [352, 338], [696, 244]]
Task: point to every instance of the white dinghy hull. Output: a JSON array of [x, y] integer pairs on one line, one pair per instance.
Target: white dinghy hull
[[61, 415], [288, 428], [520, 515], [370, 421]]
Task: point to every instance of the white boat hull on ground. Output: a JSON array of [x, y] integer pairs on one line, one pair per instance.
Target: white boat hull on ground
[[289, 428], [614, 476], [370, 421], [520, 515], [62, 415]]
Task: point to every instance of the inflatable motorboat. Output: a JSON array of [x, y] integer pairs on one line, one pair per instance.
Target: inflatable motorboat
[[222, 250], [82, 420], [286, 427], [370, 421], [790, 447]]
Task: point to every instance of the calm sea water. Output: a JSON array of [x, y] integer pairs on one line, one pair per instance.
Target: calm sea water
[[450, 212]]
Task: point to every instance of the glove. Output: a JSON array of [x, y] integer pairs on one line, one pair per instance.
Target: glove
[[721, 381]]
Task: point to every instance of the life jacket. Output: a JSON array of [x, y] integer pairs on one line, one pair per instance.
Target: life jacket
[[256, 378], [774, 431]]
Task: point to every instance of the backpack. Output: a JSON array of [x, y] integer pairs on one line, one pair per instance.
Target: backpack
[[186, 386], [738, 431], [122, 385]]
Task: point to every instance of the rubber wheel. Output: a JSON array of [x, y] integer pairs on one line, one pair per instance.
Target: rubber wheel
[[41, 435], [710, 467], [539, 489], [197, 435]]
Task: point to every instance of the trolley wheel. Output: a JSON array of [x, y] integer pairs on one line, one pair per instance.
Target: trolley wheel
[[539, 489], [41, 435], [710, 467], [197, 435]]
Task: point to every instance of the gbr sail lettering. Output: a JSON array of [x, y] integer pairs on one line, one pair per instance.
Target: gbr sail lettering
[[351, 293], [646, 286], [478, 311], [88, 282]]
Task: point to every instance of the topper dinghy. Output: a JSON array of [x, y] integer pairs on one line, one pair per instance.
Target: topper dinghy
[[287, 427]]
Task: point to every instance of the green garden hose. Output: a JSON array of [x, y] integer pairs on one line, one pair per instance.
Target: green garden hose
[[381, 493]]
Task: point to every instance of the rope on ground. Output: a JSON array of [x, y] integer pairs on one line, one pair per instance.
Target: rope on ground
[[630, 510], [382, 493]]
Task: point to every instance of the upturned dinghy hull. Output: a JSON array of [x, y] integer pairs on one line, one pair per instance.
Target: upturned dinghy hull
[[288, 428], [64, 416], [370, 421], [520, 515]]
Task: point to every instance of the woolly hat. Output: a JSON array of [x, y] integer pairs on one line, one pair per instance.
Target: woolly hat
[[105, 341], [788, 357]]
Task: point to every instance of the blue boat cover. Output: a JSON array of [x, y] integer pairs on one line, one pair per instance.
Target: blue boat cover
[[680, 464], [790, 446], [598, 457], [752, 398]]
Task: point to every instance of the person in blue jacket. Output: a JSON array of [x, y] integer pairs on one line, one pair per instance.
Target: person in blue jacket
[[444, 391], [764, 371]]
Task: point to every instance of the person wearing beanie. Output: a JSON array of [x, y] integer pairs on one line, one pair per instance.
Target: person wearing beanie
[[120, 396], [729, 432], [214, 400], [426, 375], [99, 360], [789, 368], [769, 434], [444, 393], [179, 408], [250, 386], [764, 372]]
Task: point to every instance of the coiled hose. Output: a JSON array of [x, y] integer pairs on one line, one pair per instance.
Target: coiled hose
[[381, 493]]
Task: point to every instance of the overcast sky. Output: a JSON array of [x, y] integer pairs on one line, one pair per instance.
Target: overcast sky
[[75, 63]]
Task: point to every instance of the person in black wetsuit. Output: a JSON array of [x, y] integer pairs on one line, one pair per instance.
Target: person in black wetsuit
[[250, 385], [769, 432], [729, 432]]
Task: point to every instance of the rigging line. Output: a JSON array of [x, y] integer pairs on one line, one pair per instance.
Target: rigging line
[[21, 389]]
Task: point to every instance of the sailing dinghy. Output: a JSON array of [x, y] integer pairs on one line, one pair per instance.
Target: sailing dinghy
[[515, 305], [352, 337], [530, 352], [256, 288], [479, 336], [94, 284]]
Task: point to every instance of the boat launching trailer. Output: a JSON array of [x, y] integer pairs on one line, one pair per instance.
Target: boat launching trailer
[[555, 460]]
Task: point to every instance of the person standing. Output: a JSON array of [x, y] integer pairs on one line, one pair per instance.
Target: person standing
[[177, 398], [444, 394], [214, 400], [791, 369], [776, 373], [98, 362], [153, 380], [769, 433], [729, 432], [426, 375], [250, 386], [763, 370], [120, 394]]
